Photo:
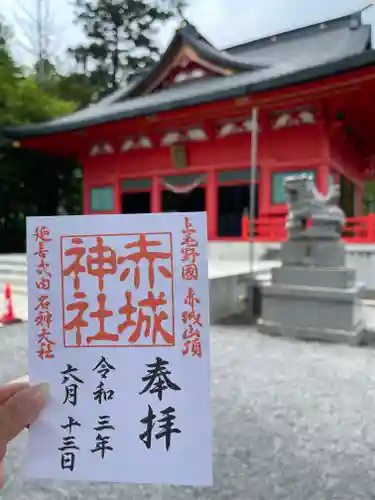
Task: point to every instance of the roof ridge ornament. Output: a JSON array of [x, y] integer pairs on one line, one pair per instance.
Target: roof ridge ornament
[[368, 6], [183, 21]]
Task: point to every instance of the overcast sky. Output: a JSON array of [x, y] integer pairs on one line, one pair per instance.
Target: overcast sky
[[223, 22]]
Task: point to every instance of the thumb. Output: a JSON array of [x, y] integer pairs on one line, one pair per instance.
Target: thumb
[[21, 410]]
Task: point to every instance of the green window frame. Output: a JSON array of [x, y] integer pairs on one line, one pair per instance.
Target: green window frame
[[278, 193], [139, 184], [102, 199], [239, 175], [183, 180]]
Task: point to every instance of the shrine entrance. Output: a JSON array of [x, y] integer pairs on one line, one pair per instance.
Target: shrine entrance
[[234, 202], [183, 193], [136, 196], [136, 203], [347, 196]]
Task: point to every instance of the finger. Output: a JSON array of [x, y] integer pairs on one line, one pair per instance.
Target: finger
[[2, 480], [20, 410], [3, 450], [25, 379], [9, 390]]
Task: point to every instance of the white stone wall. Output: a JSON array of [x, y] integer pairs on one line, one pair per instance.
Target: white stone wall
[[361, 257], [237, 251]]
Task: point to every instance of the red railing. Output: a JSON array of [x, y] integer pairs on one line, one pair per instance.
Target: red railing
[[272, 229]]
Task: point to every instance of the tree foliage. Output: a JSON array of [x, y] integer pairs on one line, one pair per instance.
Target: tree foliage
[[24, 173], [122, 38], [22, 100], [37, 23]]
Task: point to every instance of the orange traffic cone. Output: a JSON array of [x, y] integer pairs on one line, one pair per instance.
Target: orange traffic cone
[[8, 318]]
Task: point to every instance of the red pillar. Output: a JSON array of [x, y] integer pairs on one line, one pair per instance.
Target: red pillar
[[322, 178], [211, 204], [265, 190], [85, 193], [117, 197], [323, 171], [156, 191]]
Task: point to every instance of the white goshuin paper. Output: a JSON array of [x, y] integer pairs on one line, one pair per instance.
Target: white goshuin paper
[[189, 458]]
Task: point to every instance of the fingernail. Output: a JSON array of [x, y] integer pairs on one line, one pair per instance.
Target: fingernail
[[43, 388], [40, 391]]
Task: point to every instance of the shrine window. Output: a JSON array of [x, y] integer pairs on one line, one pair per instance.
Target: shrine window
[[102, 199], [278, 191]]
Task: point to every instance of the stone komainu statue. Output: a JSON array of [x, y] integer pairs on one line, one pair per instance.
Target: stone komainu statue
[[305, 203]]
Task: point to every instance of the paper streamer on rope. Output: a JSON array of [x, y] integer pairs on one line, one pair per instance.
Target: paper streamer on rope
[[184, 189]]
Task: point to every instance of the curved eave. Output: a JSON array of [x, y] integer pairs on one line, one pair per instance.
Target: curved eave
[[140, 86], [222, 58], [186, 38], [268, 84]]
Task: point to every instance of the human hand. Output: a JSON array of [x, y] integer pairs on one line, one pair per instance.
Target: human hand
[[20, 405]]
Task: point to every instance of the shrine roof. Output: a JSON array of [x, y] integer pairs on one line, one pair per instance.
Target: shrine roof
[[289, 58]]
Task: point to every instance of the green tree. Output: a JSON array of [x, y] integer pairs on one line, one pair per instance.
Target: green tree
[[22, 100], [75, 87], [71, 88], [24, 174], [26, 102], [122, 38]]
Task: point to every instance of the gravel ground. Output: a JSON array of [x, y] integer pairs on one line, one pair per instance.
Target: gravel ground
[[292, 421]]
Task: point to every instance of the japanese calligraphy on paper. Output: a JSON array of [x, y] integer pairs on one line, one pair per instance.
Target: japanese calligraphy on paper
[[146, 311], [121, 333]]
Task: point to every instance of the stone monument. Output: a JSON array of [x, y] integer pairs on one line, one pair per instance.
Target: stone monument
[[313, 295]]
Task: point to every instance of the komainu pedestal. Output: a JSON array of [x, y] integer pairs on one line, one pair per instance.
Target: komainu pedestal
[[313, 295]]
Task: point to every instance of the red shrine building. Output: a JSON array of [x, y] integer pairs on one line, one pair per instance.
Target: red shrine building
[[178, 138]]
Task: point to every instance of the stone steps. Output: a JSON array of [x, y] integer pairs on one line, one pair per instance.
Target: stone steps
[[14, 273], [271, 254], [13, 270]]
